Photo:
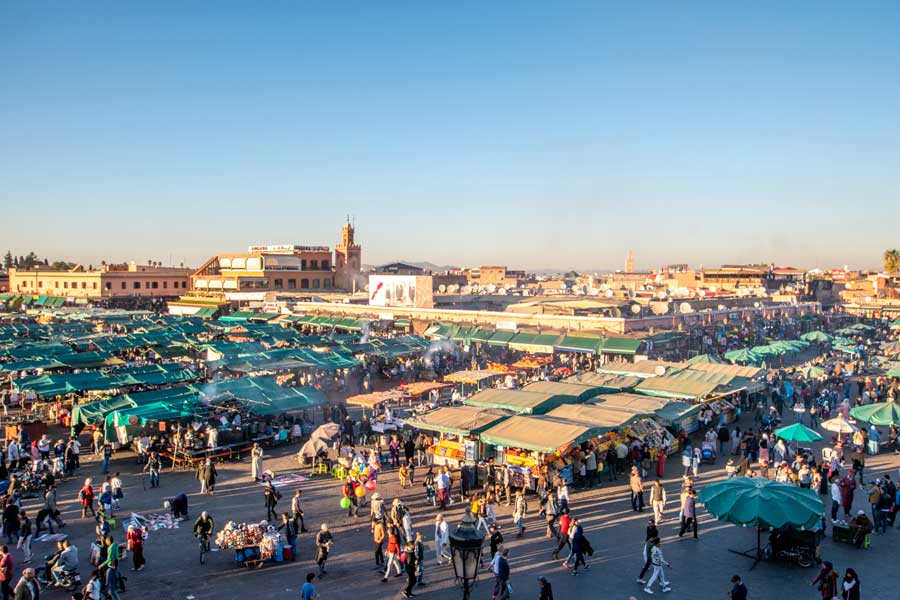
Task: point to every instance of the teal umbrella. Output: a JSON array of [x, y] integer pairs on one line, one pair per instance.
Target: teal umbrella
[[880, 413], [752, 501], [842, 341], [816, 337], [744, 356], [798, 432], [770, 350]]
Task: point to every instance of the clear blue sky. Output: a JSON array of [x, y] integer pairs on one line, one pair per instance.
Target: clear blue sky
[[530, 134]]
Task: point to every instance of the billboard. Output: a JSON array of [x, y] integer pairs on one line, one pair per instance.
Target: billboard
[[407, 291]]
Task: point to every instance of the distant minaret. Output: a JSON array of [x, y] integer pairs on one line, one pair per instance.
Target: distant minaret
[[629, 262]]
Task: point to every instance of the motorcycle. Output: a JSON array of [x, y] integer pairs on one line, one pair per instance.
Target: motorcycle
[[796, 546], [70, 580]]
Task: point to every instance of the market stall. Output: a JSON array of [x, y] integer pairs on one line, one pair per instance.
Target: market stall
[[476, 380], [252, 543], [459, 427], [519, 401]]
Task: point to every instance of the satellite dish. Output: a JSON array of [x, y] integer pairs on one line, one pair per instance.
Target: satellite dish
[[702, 293], [635, 309], [661, 295], [868, 299], [502, 291], [659, 370], [584, 289], [609, 293], [491, 288], [659, 308], [452, 288], [465, 290], [604, 287], [614, 312], [442, 288], [685, 308], [721, 307], [630, 294]]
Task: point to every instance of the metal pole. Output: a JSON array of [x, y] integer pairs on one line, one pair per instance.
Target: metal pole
[[465, 589]]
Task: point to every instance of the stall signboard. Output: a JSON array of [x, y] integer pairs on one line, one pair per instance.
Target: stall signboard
[[406, 291]]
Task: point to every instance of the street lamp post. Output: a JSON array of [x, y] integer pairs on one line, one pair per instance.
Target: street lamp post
[[465, 547]]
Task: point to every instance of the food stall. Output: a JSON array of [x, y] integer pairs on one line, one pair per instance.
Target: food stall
[[252, 543], [476, 380], [665, 413], [459, 427], [607, 382], [528, 442], [519, 401]]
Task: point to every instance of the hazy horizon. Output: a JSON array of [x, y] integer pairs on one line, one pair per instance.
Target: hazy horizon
[[539, 136]]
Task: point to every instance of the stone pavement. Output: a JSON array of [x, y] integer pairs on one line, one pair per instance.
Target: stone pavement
[[701, 568]]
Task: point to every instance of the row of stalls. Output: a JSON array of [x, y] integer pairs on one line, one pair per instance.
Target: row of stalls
[[543, 425]]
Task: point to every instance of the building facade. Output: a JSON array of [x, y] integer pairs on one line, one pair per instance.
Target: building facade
[[109, 281]]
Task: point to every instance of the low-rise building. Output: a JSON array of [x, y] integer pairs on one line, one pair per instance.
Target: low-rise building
[[109, 281]]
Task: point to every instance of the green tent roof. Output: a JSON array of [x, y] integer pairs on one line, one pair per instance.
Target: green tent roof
[[501, 338], [538, 343], [582, 342], [615, 345], [538, 433], [519, 401]]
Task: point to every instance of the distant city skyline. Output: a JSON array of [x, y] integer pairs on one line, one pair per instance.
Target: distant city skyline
[[536, 136]]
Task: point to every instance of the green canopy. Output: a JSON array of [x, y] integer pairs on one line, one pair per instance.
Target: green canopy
[[620, 346], [582, 342], [812, 372], [752, 501], [797, 432], [880, 413], [501, 338], [537, 343], [895, 324], [703, 359], [816, 337]]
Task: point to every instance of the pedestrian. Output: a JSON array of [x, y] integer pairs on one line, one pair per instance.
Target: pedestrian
[[290, 533], [7, 572], [826, 581], [648, 547], [521, 509], [153, 467], [580, 547], [637, 490], [271, 495], [689, 513], [551, 512], [91, 590], [117, 491], [113, 580], [206, 475], [297, 510], [393, 552], [441, 540], [565, 522], [738, 589], [28, 588], [378, 537], [658, 561], [349, 490], [11, 522], [324, 539], [256, 462], [134, 540], [25, 535], [308, 591], [658, 500], [545, 589], [107, 454], [409, 562], [496, 540], [501, 575], [850, 586]]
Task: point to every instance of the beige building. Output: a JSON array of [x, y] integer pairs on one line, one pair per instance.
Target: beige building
[[109, 281]]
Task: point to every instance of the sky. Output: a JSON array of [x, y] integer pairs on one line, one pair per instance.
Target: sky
[[531, 134]]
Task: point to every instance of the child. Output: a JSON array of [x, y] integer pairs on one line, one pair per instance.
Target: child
[[404, 476]]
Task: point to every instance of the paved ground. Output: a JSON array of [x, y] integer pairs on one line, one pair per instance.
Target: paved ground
[[701, 568]]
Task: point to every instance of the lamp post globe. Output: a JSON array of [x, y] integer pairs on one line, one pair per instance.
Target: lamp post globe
[[465, 548]]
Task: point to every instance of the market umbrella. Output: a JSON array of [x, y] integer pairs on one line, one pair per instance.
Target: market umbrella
[[753, 501], [880, 413], [326, 431], [798, 432], [313, 446], [745, 356], [847, 331], [839, 425], [770, 350], [704, 359], [842, 341], [817, 337], [812, 372]]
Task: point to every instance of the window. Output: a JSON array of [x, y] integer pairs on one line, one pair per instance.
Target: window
[[155, 285], [324, 265], [40, 284], [304, 284], [84, 285], [302, 264], [314, 265], [124, 285], [66, 284], [56, 284], [137, 285], [184, 284], [279, 283], [315, 284], [109, 285], [165, 285], [326, 283], [94, 285], [292, 284]]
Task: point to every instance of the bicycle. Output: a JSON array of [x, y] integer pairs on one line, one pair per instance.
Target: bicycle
[[204, 546]]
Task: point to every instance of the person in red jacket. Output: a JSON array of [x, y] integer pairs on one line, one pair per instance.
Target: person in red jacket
[[86, 495], [393, 552], [565, 521]]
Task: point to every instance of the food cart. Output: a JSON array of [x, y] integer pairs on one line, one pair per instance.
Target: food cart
[[459, 427], [252, 543]]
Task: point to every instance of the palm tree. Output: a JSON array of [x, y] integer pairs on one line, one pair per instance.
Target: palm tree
[[891, 260]]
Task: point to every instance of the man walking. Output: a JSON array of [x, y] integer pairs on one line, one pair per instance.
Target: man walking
[[290, 532], [501, 576], [738, 589], [658, 500], [689, 513], [658, 561], [637, 491]]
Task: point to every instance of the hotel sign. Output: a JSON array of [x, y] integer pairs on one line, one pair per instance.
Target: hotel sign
[[286, 248]]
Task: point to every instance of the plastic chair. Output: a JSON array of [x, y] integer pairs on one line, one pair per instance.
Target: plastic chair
[[322, 469], [338, 471]]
